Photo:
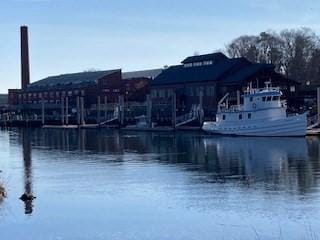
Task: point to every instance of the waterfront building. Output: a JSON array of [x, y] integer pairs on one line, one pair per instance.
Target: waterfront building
[[94, 87], [205, 79]]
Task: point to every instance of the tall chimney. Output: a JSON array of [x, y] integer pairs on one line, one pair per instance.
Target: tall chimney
[[25, 68]]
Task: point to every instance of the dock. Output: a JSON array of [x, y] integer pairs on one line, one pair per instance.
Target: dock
[[313, 132]]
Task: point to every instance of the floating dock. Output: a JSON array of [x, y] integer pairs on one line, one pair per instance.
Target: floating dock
[[313, 132]]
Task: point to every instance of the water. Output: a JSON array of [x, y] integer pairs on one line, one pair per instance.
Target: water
[[108, 184]]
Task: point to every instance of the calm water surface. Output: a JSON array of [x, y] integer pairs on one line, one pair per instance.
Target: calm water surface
[[108, 184]]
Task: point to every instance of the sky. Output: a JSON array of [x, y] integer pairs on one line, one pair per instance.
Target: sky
[[68, 36]]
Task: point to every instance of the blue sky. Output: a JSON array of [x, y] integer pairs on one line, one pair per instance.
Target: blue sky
[[76, 35]]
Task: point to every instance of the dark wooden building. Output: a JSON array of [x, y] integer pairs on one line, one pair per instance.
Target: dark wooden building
[[208, 78]]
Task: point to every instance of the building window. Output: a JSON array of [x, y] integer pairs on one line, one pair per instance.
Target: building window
[[154, 93], [197, 64], [208, 62], [240, 116], [188, 65], [161, 93], [249, 115], [251, 99], [223, 117]]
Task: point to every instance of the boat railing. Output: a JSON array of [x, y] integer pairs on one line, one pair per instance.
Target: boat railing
[[232, 108], [260, 90]]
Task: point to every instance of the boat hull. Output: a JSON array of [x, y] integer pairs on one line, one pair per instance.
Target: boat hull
[[287, 127]]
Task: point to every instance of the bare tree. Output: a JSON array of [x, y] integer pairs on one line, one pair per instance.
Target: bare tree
[[294, 53]]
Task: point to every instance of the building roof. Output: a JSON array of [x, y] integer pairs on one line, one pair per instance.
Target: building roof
[[244, 73], [152, 73], [71, 79], [215, 57], [180, 74]]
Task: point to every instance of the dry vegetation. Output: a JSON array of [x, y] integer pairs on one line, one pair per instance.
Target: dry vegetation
[[2, 192]]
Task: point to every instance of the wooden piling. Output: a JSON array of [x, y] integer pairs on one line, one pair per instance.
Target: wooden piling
[[98, 109], [149, 110], [121, 110], [78, 110], [82, 110], [318, 104], [62, 111], [201, 107], [67, 110], [174, 109], [42, 112], [105, 108]]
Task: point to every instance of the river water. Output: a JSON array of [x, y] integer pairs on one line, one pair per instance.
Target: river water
[[109, 184]]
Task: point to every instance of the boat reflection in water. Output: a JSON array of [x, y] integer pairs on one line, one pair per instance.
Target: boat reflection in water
[[116, 182], [284, 162]]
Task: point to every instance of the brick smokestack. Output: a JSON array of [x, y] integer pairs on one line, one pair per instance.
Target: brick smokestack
[[25, 68]]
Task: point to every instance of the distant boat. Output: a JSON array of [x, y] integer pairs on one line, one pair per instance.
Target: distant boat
[[263, 113]]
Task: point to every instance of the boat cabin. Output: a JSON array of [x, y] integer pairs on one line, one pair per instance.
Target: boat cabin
[[257, 104]]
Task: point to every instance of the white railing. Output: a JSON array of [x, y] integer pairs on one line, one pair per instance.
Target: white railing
[[190, 116]]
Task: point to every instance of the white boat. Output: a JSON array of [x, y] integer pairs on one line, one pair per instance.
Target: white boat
[[263, 113]]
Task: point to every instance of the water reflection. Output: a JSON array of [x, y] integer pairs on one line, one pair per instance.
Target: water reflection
[[289, 164], [27, 164]]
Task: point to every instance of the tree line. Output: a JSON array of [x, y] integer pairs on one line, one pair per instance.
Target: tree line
[[294, 52]]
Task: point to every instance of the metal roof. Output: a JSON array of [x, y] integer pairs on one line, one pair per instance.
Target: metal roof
[[152, 73], [180, 74], [215, 57], [71, 80], [246, 72]]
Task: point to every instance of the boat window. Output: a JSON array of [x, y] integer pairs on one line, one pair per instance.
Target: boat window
[[269, 98], [249, 115], [251, 99], [275, 98], [264, 99], [223, 117], [240, 116]]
